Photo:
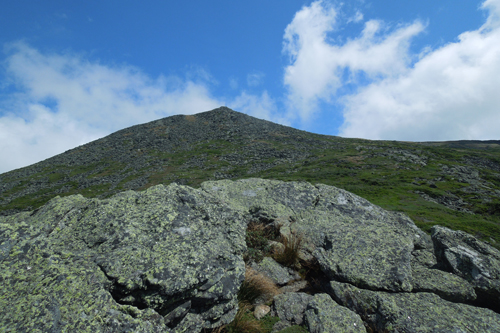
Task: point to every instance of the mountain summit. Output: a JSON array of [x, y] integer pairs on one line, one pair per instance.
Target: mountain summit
[[454, 184], [175, 148]]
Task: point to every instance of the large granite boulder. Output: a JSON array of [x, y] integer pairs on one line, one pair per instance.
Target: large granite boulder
[[353, 240], [413, 312], [364, 246], [290, 307], [169, 258], [323, 314], [477, 262]]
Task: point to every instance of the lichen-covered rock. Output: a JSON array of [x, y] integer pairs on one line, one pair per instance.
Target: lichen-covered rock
[[279, 274], [353, 240], [445, 284], [290, 307], [471, 259], [324, 315], [413, 312], [427, 277], [170, 259], [167, 258]]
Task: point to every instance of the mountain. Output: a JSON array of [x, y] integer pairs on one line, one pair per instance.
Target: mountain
[[455, 184]]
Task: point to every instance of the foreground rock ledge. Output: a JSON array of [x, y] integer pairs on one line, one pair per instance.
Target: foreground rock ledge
[[169, 259]]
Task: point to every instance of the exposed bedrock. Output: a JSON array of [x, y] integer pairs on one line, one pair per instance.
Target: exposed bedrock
[[170, 259]]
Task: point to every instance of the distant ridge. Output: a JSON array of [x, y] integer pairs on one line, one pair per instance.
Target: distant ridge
[[474, 144]]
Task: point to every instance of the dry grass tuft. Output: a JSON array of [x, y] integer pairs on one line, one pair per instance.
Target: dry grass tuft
[[288, 255], [256, 286]]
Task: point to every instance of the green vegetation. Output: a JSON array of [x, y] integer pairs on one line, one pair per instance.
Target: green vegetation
[[414, 178], [255, 286], [257, 239]]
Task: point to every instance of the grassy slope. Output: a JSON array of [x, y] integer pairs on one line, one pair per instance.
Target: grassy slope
[[359, 166]]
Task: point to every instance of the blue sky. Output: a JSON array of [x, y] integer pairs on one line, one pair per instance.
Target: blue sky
[[75, 71]]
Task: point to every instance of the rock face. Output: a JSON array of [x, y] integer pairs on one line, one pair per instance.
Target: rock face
[[474, 261], [170, 259], [167, 258]]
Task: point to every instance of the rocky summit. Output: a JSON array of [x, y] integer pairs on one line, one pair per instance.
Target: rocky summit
[[172, 259], [454, 184]]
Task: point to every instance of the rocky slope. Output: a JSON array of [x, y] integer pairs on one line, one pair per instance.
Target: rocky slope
[[171, 259], [454, 184]]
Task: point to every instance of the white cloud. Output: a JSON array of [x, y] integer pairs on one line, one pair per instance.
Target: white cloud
[[262, 107], [23, 142], [65, 101], [358, 17], [443, 94], [254, 79], [450, 93], [317, 64]]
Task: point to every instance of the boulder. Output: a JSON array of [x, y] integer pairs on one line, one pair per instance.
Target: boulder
[[444, 284], [277, 273], [290, 307], [168, 258], [324, 315], [353, 240], [413, 312], [428, 277], [473, 260]]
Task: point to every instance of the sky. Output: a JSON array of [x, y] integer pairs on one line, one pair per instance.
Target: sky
[[73, 71]]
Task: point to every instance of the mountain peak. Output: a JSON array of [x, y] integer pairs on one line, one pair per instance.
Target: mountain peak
[[431, 182]]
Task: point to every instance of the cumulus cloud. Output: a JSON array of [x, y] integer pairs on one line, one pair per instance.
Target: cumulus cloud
[[260, 106], [317, 64], [447, 93], [450, 93], [65, 100]]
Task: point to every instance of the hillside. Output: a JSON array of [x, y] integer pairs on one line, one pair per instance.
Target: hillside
[[453, 184]]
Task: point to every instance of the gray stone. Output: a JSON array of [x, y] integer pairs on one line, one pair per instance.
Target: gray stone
[[324, 315], [445, 284], [352, 239], [290, 307], [136, 261], [428, 278], [170, 259], [413, 312], [279, 274], [293, 287], [473, 260], [424, 258]]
